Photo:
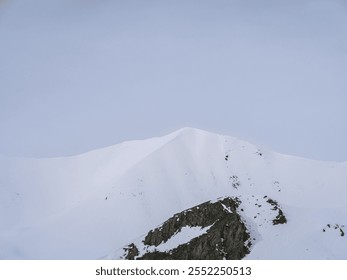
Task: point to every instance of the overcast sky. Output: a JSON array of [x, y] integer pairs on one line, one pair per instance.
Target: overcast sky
[[76, 75]]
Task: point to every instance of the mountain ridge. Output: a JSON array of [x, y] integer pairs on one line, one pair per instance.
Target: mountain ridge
[[137, 185], [176, 133]]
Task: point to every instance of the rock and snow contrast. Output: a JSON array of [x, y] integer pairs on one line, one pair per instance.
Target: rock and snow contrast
[[186, 194], [211, 230]]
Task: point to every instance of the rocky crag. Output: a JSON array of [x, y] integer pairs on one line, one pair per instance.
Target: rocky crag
[[221, 235]]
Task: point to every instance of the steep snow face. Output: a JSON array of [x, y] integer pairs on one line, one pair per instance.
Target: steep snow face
[[86, 206]]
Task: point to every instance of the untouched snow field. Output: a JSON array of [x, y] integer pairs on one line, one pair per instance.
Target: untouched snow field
[[93, 204]]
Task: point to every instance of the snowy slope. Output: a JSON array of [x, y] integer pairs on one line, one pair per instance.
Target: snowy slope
[[87, 206]]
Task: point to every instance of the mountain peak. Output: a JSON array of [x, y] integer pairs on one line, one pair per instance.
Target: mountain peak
[[137, 185], [189, 130]]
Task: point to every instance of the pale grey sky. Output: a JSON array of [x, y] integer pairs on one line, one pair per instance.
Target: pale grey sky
[[78, 75]]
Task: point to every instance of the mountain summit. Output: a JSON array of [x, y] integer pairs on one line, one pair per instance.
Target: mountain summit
[[96, 204]]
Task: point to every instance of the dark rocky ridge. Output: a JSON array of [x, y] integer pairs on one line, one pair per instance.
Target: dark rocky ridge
[[227, 237]]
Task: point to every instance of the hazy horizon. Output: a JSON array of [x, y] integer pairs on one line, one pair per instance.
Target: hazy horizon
[[81, 75]]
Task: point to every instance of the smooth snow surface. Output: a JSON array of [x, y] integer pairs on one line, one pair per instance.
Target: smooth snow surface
[[88, 206], [184, 236]]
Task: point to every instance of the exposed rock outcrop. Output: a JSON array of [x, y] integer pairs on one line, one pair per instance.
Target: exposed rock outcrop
[[223, 235], [337, 227], [280, 218]]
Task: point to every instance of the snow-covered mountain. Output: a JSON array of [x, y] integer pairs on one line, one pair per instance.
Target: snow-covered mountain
[[92, 205]]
